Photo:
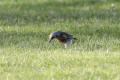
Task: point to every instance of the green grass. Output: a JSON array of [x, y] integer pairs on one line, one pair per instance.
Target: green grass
[[25, 53]]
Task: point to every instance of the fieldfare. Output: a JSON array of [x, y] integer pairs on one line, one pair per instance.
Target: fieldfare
[[61, 37]]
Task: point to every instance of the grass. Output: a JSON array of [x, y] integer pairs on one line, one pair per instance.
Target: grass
[[25, 53]]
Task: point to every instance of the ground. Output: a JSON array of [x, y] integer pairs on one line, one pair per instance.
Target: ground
[[25, 53]]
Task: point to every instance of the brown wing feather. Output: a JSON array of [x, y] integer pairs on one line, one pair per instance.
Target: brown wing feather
[[63, 38], [66, 35]]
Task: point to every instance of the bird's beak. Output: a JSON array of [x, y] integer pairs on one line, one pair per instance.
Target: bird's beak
[[51, 39]]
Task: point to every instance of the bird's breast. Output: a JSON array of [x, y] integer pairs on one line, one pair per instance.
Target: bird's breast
[[61, 40]]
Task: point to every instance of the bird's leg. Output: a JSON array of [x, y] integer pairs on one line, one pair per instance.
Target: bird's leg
[[67, 43]]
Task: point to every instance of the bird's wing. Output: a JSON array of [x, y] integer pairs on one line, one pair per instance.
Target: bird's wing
[[66, 35]]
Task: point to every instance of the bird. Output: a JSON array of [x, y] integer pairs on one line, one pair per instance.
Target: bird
[[61, 37]]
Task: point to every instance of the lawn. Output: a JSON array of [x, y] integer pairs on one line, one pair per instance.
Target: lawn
[[25, 53]]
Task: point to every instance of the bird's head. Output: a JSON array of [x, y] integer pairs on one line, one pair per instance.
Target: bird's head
[[53, 35]]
